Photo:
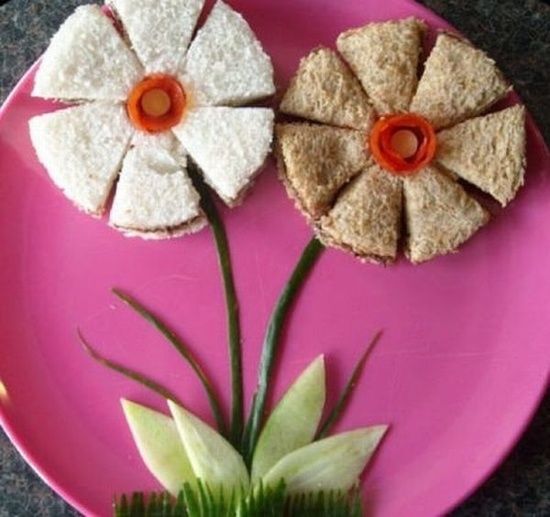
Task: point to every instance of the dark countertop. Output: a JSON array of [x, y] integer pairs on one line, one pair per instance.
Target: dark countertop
[[516, 34]]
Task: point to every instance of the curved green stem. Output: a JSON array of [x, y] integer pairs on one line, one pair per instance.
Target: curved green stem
[[272, 341], [232, 308], [184, 351]]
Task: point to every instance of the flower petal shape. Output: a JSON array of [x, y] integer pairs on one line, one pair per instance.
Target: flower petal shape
[[384, 56], [440, 215], [154, 197], [459, 82], [226, 64], [214, 460], [315, 162], [82, 149], [230, 145], [159, 30], [294, 420], [159, 445], [325, 90], [488, 152], [330, 464], [87, 60], [366, 218]]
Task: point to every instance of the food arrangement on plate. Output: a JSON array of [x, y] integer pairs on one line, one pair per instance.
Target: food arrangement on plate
[[376, 156]]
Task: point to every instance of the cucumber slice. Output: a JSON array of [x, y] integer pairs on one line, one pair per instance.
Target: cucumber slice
[[334, 463], [294, 421], [213, 458], [159, 445]]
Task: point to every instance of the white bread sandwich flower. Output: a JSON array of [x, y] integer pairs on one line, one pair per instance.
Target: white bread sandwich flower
[[384, 161], [147, 96]]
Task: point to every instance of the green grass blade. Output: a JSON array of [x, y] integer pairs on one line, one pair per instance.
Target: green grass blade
[[183, 350], [121, 506], [137, 505], [232, 307], [346, 394], [272, 341], [140, 378]]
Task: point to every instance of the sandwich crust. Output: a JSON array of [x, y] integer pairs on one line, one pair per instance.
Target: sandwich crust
[[159, 32], [82, 149], [226, 63], [488, 152], [230, 146], [459, 82], [153, 193], [366, 217], [315, 162], [87, 60], [325, 90], [384, 56], [440, 215]]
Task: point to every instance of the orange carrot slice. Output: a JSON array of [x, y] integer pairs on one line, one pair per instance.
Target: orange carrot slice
[[402, 144], [157, 103]]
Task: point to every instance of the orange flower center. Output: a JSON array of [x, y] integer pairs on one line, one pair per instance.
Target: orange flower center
[[402, 144], [157, 103]]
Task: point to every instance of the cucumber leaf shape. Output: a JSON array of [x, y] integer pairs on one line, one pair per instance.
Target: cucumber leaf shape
[[159, 445], [214, 460], [334, 463], [294, 421]]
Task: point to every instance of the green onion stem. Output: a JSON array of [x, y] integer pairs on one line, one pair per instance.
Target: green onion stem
[[272, 341], [184, 351], [127, 372], [232, 307], [346, 394]]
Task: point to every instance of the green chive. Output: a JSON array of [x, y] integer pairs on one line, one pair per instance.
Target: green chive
[[232, 306], [272, 341], [184, 351], [346, 394], [127, 372]]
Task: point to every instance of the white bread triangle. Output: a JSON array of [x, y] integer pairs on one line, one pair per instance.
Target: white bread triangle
[[384, 56], [440, 215], [154, 196], [87, 60], [366, 217], [459, 82], [226, 64], [230, 145], [159, 30], [82, 149], [325, 90], [315, 162], [488, 152]]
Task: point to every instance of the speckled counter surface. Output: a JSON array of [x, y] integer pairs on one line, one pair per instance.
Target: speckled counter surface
[[517, 34]]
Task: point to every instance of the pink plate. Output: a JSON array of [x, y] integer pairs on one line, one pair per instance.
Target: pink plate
[[458, 375]]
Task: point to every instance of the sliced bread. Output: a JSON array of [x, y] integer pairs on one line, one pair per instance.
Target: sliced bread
[[226, 64], [366, 217], [440, 215], [384, 56], [488, 152], [87, 60], [154, 196], [159, 30], [325, 90], [230, 145], [82, 149], [459, 82], [315, 162]]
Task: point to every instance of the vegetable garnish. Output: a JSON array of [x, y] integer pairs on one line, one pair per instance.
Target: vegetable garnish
[[157, 103], [271, 343], [140, 378], [183, 350], [231, 303], [402, 143]]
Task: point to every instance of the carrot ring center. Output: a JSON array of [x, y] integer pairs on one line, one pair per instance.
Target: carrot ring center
[[157, 103], [403, 143]]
